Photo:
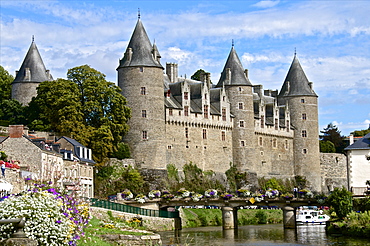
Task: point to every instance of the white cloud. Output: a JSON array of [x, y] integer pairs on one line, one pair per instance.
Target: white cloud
[[266, 4]]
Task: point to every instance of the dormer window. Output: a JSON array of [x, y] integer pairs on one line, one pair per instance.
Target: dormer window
[[186, 95]]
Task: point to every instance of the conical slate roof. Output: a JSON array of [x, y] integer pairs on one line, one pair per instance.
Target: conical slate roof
[[237, 75], [141, 48], [32, 62], [296, 82]]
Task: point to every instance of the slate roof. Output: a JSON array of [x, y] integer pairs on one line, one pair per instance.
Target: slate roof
[[34, 62], [142, 50], [75, 145], [363, 143], [296, 82], [237, 71]]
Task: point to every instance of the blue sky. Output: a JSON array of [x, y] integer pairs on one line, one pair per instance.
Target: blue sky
[[332, 40]]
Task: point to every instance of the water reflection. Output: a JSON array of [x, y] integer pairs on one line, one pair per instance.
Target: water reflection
[[257, 235]]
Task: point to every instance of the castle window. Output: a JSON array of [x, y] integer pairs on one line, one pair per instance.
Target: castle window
[[186, 132], [241, 123], [143, 113], [179, 113], [260, 141], [142, 90], [223, 136], [276, 124], [170, 111], [204, 133], [304, 151], [240, 89], [274, 143], [205, 111], [186, 95], [141, 69], [302, 100], [286, 144], [262, 121], [223, 98], [240, 105], [304, 133], [224, 114], [287, 125], [186, 110], [169, 147], [168, 94], [304, 116], [205, 96], [145, 135], [242, 143], [196, 115]]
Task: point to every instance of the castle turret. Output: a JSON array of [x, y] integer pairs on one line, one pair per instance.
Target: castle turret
[[239, 91], [140, 76], [29, 76], [298, 94]]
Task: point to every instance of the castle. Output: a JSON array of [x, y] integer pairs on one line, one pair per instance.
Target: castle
[[177, 120]]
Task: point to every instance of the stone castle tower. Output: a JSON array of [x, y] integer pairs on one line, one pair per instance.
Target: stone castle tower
[[29, 76], [297, 92], [140, 76]]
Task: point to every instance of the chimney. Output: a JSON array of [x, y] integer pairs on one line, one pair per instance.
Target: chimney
[[15, 131], [171, 71], [246, 73], [351, 139]]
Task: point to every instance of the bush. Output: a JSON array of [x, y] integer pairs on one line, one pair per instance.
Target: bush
[[261, 217], [341, 201]]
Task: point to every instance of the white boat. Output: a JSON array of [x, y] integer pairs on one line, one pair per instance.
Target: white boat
[[311, 216]]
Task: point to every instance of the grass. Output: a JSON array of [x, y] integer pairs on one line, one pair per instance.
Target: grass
[[213, 217], [97, 227]]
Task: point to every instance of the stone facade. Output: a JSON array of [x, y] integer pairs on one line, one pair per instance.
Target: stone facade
[[177, 120], [333, 171]]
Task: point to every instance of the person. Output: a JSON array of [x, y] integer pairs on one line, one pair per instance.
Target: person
[[3, 169], [295, 191]]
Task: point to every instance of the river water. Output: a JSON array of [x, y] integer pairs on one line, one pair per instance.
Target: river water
[[257, 235]]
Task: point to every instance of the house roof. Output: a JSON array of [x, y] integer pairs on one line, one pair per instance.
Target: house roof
[[296, 82], [363, 143], [141, 48], [34, 63], [237, 76], [75, 145]]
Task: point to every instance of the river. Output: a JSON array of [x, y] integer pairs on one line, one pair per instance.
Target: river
[[257, 235]]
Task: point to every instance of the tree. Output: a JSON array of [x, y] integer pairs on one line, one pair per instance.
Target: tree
[[361, 133], [197, 74], [332, 134], [85, 107], [327, 147], [341, 201], [5, 84]]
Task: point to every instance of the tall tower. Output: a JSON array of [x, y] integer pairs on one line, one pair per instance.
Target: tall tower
[[29, 76], [140, 76], [298, 94], [239, 91]]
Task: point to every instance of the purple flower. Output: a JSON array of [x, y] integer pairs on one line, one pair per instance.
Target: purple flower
[[58, 221]]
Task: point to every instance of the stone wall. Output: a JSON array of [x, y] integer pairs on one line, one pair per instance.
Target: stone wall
[[150, 223], [333, 171]]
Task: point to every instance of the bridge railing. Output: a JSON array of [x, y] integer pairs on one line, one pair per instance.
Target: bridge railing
[[134, 210]]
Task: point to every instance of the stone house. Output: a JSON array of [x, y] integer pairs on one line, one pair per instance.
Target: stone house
[[358, 161], [42, 159]]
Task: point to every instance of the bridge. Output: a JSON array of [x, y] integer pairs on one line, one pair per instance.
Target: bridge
[[229, 207]]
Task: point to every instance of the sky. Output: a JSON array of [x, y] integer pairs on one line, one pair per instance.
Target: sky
[[331, 40]]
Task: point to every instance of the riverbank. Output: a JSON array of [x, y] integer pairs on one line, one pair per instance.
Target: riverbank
[[213, 217]]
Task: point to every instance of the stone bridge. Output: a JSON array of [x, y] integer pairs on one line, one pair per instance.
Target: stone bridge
[[230, 207]]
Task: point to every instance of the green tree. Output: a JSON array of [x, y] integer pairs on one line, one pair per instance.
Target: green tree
[[341, 201], [85, 107], [197, 74], [331, 133], [327, 147], [361, 133], [5, 84]]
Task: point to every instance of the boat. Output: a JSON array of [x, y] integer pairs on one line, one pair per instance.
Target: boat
[[311, 216]]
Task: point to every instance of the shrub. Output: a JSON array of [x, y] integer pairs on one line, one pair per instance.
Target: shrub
[[261, 217], [341, 201]]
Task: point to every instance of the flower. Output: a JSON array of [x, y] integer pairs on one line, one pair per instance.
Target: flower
[[243, 193], [270, 193], [196, 197], [154, 194], [140, 198], [183, 193], [227, 196], [210, 193], [127, 194]]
